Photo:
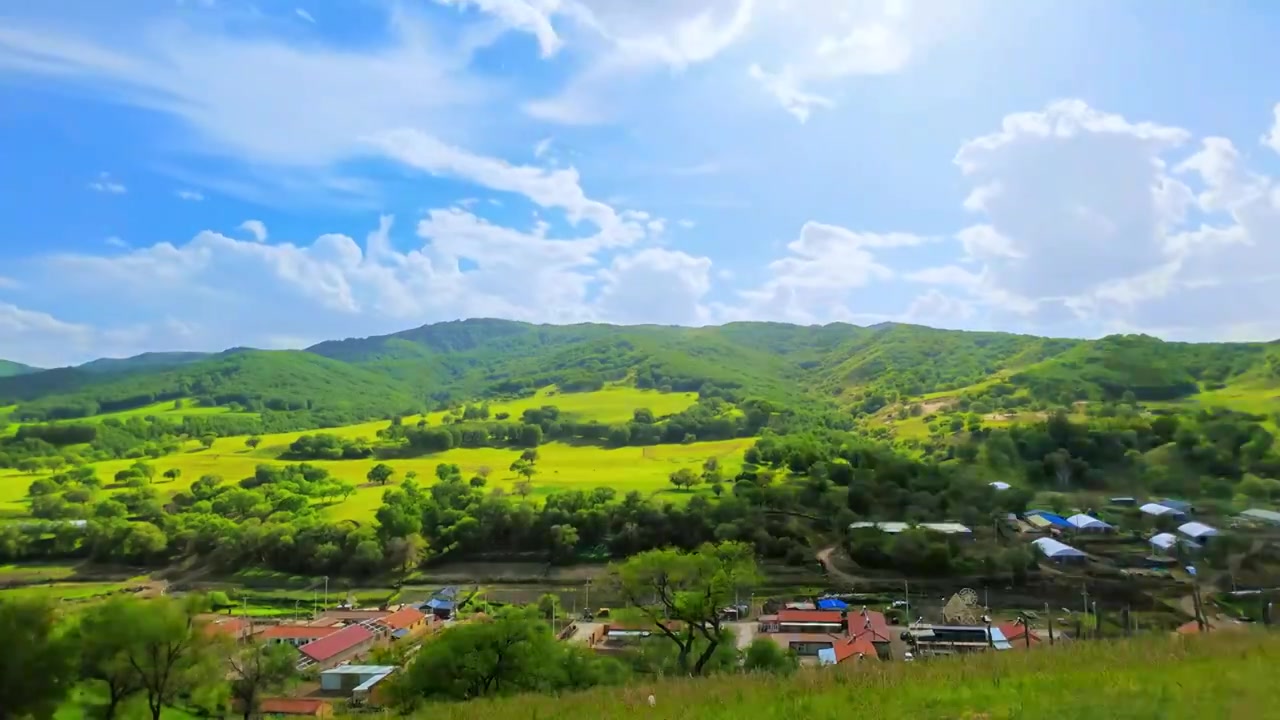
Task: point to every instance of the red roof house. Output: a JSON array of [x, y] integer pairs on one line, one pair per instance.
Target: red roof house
[[1017, 633], [236, 628], [869, 623], [405, 618], [334, 648], [826, 617], [854, 647], [295, 635]]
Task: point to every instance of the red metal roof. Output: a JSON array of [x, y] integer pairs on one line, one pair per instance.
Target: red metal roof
[[870, 623], [1017, 631], [850, 648], [292, 706], [403, 618], [341, 641], [297, 632], [809, 616]]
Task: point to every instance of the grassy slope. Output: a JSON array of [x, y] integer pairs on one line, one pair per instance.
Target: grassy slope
[[561, 466], [1225, 675]]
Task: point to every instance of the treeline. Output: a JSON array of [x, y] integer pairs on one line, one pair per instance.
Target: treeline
[[709, 419]]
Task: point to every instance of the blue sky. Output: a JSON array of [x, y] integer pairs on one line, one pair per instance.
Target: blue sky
[[200, 174]]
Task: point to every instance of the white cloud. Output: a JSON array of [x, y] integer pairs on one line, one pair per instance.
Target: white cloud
[[531, 16], [687, 224], [256, 228], [936, 308], [541, 147], [8, 283], [304, 15], [1272, 138], [813, 282], [250, 96], [115, 242], [190, 195], [105, 184], [658, 286], [36, 338]]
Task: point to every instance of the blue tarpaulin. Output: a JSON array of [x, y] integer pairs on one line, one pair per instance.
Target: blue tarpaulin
[[832, 604], [1053, 518]]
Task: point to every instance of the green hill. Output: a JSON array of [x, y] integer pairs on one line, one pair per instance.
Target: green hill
[[270, 381], [859, 368], [8, 368]]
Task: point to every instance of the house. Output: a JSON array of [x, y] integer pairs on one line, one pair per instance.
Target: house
[[858, 649], [1124, 500], [1159, 510], [342, 645], [408, 621], [1265, 517], [349, 617], [1198, 531], [237, 628], [298, 707], [441, 608], [808, 621], [1058, 552], [1089, 523], [295, 635], [1018, 634], [953, 639], [870, 624], [354, 680]]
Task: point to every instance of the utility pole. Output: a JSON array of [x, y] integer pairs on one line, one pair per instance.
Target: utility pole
[[326, 592], [1048, 615], [1084, 591], [1128, 630], [906, 599], [586, 603]]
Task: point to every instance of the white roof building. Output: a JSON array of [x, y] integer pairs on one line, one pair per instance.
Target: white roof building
[[1266, 516], [1164, 541], [1087, 522], [1055, 550], [1197, 531], [1000, 485], [1158, 509], [897, 527]]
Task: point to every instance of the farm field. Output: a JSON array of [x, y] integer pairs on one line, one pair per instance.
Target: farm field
[[560, 466]]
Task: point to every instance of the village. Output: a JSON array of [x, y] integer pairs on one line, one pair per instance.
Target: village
[[338, 649]]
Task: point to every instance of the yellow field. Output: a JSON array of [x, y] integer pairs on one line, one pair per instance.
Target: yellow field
[[165, 410], [613, 404], [560, 466]]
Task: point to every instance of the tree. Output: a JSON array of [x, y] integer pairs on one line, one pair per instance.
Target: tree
[[146, 470], [104, 635], [524, 468], [524, 488], [530, 455], [37, 665], [765, 655], [207, 440], [170, 655], [30, 465], [406, 552], [682, 593], [257, 670], [253, 442], [685, 478], [380, 473], [172, 474]]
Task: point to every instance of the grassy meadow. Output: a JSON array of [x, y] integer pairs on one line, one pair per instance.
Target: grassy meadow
[[560, 466], [1222, 675]]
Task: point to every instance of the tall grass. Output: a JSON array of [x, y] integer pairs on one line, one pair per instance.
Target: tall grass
[[1223, 675]]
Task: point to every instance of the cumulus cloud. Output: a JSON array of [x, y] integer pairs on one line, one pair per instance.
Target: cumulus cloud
[[256, 228], [656, 285], [813, 282], [1272, 138]]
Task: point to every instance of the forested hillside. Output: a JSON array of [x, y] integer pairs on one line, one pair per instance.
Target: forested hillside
[[838, 367], [8, 368]]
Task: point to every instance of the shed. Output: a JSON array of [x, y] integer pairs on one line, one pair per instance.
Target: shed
[[832, 604], [1181, 506], [306, 707], [1158, 510], [1058, 551], [352, 678], [1197, 531], [1053, 519], [1164, 542], [440, 607], [1269, 517], [1089, 523]]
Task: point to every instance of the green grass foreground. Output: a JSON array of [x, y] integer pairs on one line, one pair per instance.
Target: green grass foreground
[[1224, 675]]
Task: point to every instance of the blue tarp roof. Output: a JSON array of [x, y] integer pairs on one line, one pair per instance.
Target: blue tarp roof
[[1053, 518], [832, 604], [438, 604]]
